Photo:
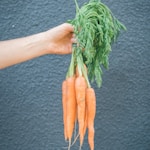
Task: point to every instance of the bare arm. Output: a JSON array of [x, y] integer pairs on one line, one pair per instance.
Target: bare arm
[[54, 41]]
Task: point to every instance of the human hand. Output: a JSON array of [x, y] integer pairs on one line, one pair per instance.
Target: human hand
[[57, 40], [60, 39]]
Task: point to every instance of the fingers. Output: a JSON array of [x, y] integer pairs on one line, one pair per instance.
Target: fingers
[[69, 27], [73, 39]]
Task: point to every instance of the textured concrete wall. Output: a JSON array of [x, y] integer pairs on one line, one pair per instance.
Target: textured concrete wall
[[30, 93]]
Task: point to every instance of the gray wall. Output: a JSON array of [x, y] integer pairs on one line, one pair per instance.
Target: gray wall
[[30, 92]]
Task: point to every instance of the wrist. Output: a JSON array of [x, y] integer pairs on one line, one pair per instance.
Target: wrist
[[41, 43]]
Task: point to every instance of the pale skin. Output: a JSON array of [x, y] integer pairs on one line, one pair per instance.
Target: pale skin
[[57, 40]]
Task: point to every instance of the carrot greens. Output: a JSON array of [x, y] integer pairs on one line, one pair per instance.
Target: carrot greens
[[96, 29]]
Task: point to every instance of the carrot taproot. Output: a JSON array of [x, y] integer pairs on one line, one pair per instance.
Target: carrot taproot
[[85, 120], [75, 125], [71, 107], [80, 89], [64, 106], [91, 112]]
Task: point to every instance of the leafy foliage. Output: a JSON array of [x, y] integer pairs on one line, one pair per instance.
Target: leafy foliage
[[96, 29]]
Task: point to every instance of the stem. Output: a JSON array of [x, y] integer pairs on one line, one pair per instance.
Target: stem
[[86, 77], [77, 6], [81, 69], [70, 72], [79, 66]]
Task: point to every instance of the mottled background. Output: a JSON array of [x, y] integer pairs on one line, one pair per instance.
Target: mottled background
[[30, 92]]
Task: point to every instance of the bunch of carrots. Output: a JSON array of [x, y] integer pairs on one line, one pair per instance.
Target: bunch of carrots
[[79, 105], [95, 29]]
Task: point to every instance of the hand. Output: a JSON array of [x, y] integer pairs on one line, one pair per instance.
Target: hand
[[54, 41], [60, 39]]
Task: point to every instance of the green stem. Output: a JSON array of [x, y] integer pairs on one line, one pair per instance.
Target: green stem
[[79, 66], [81, 69], [86, 77], [77, 6], [70, 72]]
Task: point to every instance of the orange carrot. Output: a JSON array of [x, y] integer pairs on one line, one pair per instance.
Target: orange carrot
[[85, 119], [64, 106], [71, 107], [80, 88], [91, 111]]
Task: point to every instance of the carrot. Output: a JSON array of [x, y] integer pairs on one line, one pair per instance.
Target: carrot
[[91, 111], [85, 119], [80, 88], [75, 125], [92, 48], [64, 106], [71, 107]]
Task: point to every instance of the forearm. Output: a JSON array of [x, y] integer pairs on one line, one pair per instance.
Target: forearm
[[57, 40], [22, 49]]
